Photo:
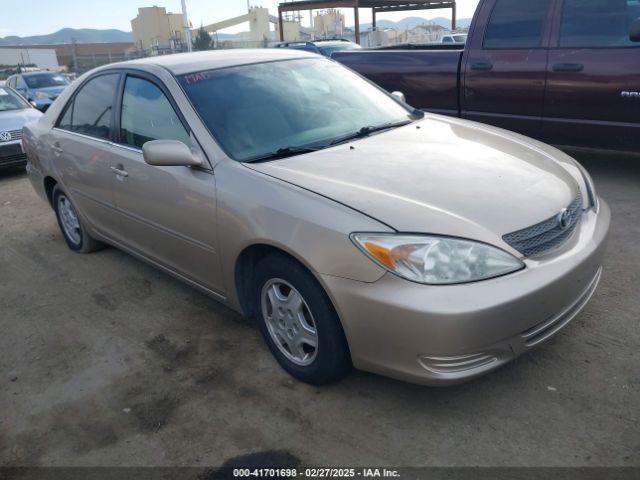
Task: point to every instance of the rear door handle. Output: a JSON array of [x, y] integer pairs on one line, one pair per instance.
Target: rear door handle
[[56, 148], [120, 171], [568, 67], [482, 66]]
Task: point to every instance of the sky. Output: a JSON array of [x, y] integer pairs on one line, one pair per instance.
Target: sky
[[37, 17]]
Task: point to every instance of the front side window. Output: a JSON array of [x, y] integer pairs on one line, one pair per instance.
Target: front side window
[[598, 23], [148, 115], [90, 111], [516, 24], [254, 110], [44, 80]]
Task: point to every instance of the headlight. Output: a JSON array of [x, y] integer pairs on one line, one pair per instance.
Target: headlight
[[42, 96], [436, 260]]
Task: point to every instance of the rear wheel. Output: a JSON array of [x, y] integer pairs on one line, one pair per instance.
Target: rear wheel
[[298, 322], [73, 231]]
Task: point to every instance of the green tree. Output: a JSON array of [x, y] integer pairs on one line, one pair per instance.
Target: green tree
[[203, 40]]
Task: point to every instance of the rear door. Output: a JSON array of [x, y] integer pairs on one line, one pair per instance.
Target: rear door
[[593, 81], [505, 64], [80, 144], [168, 214]]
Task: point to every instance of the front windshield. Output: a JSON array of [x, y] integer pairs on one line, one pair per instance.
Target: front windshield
[[43, 80], [460, 38], [11, 101], [254, 110]]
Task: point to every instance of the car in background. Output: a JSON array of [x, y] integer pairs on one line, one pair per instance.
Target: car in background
[[39, 88], [456, 38], [15, 112], [322, 47], [2, 82]]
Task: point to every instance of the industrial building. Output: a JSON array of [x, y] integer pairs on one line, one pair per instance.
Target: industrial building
[[157, 31], [44, 58]]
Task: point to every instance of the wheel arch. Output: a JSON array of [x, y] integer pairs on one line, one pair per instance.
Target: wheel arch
[[49, 185]]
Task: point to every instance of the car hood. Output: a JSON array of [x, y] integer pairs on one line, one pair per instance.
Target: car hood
[[16, 119], [439, 175]]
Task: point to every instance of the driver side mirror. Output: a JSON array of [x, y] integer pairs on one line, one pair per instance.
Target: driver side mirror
[[169, 153], [634, 31], [399, 96]]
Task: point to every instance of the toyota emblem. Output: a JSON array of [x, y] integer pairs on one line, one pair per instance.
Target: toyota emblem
[[564, 219], [5, 136]]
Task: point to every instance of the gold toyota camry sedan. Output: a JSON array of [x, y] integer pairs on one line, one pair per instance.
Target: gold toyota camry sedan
[[356, 230]]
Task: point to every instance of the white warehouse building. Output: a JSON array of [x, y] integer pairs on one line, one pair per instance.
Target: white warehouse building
[[41, 57]]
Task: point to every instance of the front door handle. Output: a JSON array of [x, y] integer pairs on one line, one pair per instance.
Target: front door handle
[[482, 66], [56, 148], [120, 171], [568, 67]]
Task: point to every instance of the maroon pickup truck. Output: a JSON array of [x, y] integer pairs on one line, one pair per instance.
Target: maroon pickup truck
[[564, 71]]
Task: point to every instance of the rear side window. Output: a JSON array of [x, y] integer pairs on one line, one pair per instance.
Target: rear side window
[[598, 23], [148, 115], [516, 24], [90, 110]]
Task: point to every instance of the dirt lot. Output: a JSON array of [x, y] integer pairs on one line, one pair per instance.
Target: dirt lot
[[106, 361]]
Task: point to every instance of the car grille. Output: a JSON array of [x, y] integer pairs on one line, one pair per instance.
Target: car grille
[[547, 235], [15, 135], [13, 160]]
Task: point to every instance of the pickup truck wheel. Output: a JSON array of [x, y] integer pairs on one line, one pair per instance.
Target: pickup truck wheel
[[73, 231], [298, 322]]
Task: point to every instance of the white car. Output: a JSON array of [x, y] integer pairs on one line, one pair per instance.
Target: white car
[[15, 112], [458, 38]]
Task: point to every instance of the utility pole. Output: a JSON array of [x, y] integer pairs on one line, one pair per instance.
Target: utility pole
[[74, 55], [187, 29]]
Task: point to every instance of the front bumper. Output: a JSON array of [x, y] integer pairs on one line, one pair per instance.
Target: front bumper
[[11, 155], [440, 335]]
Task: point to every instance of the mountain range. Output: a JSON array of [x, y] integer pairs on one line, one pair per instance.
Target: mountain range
[[412, 22], [67, 35]]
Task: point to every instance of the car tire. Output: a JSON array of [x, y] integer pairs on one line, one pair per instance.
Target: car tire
[[71, 225], [290, 305]]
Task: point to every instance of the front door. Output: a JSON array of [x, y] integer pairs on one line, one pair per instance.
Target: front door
[[168, 214], [594, 76], [505, 67]]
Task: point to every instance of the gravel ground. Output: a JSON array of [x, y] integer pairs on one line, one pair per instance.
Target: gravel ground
[[106, 361]]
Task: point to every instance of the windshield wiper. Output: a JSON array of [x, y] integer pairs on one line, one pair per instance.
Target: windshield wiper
[[283, 152], [368, 130], [365, 131]]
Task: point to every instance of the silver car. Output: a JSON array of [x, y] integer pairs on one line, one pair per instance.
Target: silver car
[[356, 230], [15, 112]]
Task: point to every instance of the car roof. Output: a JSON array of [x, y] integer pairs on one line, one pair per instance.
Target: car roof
[[333, 42], [182, 63]]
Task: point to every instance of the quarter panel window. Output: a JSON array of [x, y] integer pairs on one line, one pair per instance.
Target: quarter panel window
[[91, 108], [598, 23], [516, 24], [148, 115]]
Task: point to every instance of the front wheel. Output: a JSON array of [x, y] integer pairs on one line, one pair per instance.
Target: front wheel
[[74, 232], [298, 322]]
